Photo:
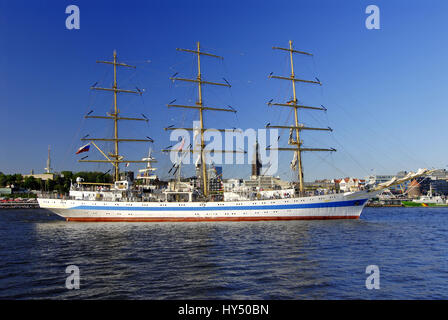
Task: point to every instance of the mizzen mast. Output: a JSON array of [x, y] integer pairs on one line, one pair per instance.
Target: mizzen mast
[[115, 158], [201, 107], [297, 127]]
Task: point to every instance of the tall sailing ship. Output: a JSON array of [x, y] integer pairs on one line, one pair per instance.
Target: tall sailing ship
[[125, 201]]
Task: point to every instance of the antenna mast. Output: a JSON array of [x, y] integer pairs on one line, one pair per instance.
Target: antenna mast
[[48, 168], [297, 126]]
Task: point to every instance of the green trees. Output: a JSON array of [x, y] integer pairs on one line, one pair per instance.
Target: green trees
[[61, 183], [3, 180], [31, 183], [98, 177], [10, 179]]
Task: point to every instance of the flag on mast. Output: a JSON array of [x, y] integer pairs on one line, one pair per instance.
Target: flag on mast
[[84, 148], [181, 146]]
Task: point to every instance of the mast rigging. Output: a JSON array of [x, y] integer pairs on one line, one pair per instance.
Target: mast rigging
[[297, 127], [115, 158], [201, 108]]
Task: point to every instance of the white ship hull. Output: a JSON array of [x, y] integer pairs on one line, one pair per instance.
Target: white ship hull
[[333, 206]]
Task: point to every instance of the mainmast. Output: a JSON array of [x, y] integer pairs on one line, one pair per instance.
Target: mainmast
[[115, 158], [297, 126], [200, 106]]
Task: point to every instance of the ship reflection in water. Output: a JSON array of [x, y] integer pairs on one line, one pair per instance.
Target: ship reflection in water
[[245, 260]]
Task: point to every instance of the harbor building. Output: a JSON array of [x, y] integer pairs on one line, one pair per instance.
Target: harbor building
[[266, 183], [438, 186], [375, 180], [324, 186], [42, 176], [215, 184], [437, 181], [440, 174], [349, 184], [259, 181], [48, 175], [6, 191], [232, 184]]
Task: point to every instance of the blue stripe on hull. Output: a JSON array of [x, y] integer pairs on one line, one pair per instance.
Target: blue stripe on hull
[[348, 203]]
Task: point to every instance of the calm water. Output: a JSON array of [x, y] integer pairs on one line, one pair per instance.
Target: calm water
[[243, 260]]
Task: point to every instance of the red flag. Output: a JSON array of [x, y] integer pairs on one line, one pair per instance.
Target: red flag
[[83, 149]]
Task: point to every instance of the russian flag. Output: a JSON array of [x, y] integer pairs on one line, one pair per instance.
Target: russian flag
[[83, 149]]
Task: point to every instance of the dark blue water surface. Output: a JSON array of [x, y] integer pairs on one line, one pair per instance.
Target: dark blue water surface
[[235, 260]]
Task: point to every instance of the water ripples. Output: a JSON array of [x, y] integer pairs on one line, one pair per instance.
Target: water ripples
[[243, 260]]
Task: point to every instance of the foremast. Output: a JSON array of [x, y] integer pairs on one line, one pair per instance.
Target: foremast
[[201, 108], [115, 158], [297, 127]]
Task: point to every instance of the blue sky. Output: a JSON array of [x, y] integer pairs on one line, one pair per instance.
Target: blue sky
[[385, 90]]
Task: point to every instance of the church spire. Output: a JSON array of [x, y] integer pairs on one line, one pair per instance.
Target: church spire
[[256, 163]]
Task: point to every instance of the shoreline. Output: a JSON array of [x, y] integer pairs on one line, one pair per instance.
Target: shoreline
[[20, 205]]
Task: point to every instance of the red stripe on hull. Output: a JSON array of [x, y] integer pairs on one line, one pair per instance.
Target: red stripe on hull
[[208, 219]]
